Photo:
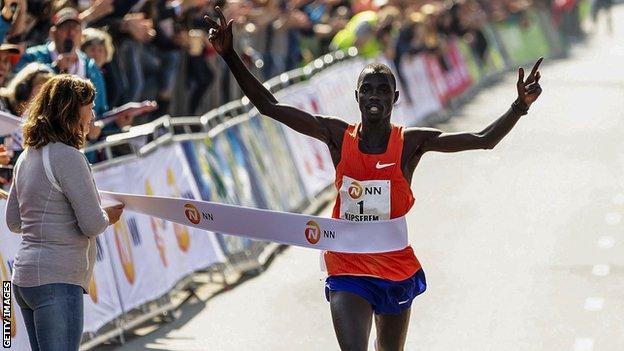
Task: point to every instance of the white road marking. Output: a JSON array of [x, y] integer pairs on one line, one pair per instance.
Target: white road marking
[[583, 344], [601, 270], [613, 218], [594, 304], [606, 242]]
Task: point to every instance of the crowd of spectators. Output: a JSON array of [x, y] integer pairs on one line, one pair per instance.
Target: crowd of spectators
[[157, 50]]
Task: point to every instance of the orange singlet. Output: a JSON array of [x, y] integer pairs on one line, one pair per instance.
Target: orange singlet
[[372, 187]]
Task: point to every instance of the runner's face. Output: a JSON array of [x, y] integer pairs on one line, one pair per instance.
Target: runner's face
[[376, 96]]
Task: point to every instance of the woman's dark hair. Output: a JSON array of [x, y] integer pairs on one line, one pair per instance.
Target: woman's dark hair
[[54, 114]]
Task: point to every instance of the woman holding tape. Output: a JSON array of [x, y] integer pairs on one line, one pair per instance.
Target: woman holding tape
[[374, 163], [54, 204]]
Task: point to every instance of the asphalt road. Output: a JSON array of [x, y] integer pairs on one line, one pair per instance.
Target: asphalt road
[[522, 245]]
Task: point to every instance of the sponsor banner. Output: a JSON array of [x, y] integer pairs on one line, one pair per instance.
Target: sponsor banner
[[9, 245], [137, 246], [222, 154], [448, 73], [220, 184], [364, 234], [523, 41], [335, 88], [151, 255], [422, 90], [246, 177], [289, 185], [435, 75], [458, 78], [310, 155], [215, 185], [264, 171], [472, 63], [228, 145], [494, 58], [102, 304]]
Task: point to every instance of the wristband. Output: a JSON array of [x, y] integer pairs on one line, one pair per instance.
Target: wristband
[[517, 107]]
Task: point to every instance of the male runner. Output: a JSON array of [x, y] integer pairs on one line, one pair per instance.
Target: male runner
[[381, 157]]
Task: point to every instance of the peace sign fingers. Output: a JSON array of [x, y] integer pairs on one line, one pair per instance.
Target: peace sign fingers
[[211, 22], [529, 90], [534, 71], [221, 17], [220, 34], [520, 84]]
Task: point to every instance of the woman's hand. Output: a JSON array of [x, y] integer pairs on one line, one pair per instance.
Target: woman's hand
[[220, 35], [114, 213]]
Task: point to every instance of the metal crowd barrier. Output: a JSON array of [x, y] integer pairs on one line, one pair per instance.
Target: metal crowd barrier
[[142, 139]]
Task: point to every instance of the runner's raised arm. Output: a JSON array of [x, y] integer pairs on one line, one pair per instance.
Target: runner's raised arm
[[528, 92], [319, 127]]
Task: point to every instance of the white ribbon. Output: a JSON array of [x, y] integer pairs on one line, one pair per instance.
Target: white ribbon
[[280, 227]]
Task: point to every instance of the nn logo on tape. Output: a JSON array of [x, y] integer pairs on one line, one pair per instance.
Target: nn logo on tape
[[195, 216], [313, 233]]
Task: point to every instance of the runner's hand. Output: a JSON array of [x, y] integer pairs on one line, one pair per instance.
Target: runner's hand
[[529, 90], [220, 34]]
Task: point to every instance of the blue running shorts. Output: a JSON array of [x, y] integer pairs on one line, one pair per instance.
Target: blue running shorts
[[385, 296]]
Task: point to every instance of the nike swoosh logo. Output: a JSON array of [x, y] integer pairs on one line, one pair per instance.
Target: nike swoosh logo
[[383, 165], [402, 302]]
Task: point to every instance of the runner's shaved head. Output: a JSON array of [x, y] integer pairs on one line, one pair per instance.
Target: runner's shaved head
[[376, 68]]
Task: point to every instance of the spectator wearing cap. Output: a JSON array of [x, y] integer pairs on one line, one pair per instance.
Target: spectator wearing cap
[[7, 51], [63, 54]]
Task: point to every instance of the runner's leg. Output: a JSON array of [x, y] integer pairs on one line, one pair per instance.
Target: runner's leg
[[392, 330], [353, 318]]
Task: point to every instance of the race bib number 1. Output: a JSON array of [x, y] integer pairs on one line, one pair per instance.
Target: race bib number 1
[[367, 200]]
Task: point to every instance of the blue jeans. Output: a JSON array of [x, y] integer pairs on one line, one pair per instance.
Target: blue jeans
[[53, 314]]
